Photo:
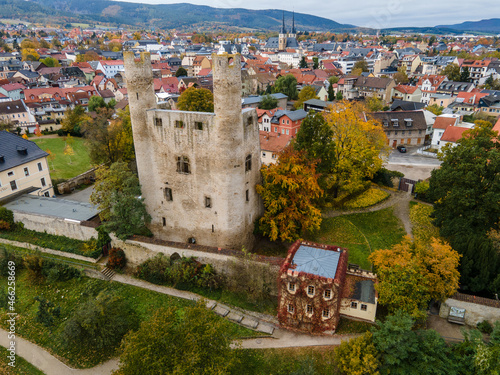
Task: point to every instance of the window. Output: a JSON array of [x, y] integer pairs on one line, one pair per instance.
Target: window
[[26, 171], [282, 131], [42, 180], [287, 132], [283, 121], [408, 122], [13, 185], [248, 163], [354, 305], [183, 165], [395, 122], [46, 194], [291, 308], [208, 202], [249, 121], [291, 287], [275, 129], [274, 156], [179, 124], [136, 94], [309, 309], [164, 221], [158, 121], [10, 174], [328, 294], [263, 154], [198, 125], [310, 290], [363, 307], [326, 313], [247, 195], [168, 194]]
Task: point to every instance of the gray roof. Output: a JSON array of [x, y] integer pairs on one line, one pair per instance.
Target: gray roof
[[364, 291], [292, 115], [257, 99], [273, 42], [406, 105], [61, 208], [316, 261], [318, 103], [397, 120], [17, 151]]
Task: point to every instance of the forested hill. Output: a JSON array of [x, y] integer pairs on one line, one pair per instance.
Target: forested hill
[[163, 15]]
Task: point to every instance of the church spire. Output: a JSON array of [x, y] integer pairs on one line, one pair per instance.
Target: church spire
[[283, 30], [293, 23]]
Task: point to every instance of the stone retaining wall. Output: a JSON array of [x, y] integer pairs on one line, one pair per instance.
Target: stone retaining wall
[[68, 186], [477, 309]]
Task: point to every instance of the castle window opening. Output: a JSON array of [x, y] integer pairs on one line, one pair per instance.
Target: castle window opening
[[198, 125], [137, 94], [208, 202], [158, 121], [249, 121], [168, 194], [179, 124], [164, 221], [183, 164], [248, 163], [247, 195]]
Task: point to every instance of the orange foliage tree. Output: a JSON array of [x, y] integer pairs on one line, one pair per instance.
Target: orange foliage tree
[[360, 144], [288, 191], [414, 272]]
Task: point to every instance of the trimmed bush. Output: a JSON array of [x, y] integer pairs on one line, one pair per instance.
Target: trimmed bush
[[485, 327], [384, 177], [117, 259]]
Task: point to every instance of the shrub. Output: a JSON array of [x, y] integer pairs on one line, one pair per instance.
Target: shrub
[[55, 271], [117, 259], [367, 198], [6, 218], [6, 257], [100, 323], [153, 270], [47, 311], [421, 189], [34, 265], [485, 327], [384, 177]]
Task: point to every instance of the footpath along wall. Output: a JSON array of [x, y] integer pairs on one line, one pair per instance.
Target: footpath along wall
[[477, 309]]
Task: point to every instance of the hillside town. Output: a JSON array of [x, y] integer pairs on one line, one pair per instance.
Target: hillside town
[[253, 202]]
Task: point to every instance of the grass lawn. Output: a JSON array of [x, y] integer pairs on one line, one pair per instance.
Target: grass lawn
[[361, 233], [22, 366], [64, 166], [69, 295]]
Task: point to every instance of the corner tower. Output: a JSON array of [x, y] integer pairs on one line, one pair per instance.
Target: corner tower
[[282, 35], [198, 170]]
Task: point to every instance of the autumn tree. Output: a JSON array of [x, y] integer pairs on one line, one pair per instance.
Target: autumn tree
[[436, 109], [197, 100], [360, 144], [117, 194], [68, 151], [73, 120], [358, 356], [194, 342], [359, 67], [181, 72], [289, 189], [452, 72], [401, 77], [307, 92], [412, 273], [375, 104], [287, 85], [96, 102], [50, 62], [268, 102]]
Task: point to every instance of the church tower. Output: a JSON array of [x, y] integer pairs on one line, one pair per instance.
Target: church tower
[[282, 35], [197, 170], [293, 32]]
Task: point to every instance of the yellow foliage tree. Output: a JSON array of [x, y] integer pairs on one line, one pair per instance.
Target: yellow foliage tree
[[29, 54], [288, 191], [360, 144], [358, 356], [51, 157], [25, 136], [305, 94], [413, 273], [68, 150]]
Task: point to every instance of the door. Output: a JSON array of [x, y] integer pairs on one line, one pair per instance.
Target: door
[[394, 143]]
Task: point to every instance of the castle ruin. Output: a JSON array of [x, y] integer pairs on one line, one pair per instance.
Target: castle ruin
[[197, 170]]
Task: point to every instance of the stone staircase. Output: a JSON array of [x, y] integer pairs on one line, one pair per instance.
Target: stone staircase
[[108, 273], [240, 318]]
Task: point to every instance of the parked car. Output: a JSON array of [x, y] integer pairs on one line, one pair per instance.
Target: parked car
[[401, 148]]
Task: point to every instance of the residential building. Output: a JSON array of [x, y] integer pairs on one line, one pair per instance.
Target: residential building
[[287, 122], [16, 113], [406, 93], [110, 67], [428, 85], [271, 144], [23, 167], [402, 127]]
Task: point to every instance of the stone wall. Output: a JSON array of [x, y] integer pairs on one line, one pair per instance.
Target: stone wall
[[69, 185], [477, 309], [55, 225]]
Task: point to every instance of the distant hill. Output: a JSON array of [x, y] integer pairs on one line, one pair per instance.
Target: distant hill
[[161, 16], [485, 26]]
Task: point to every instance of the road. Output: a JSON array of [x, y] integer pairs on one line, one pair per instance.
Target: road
[[413, 165]]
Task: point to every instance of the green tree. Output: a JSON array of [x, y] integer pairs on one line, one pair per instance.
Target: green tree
[[100, 323], [374, 104], [331, 93], [196, 99], [465, 75], [452, 71], [50, 62], [401, 77], [194, 342], [116, 193], [436, 109], [339, 95], [181, 72], [73, 120], [303, 63], [413, 273], [268, 102], [307, 92], [361, 66], [315, 63], [288, 191], [287, 85], [96, 102]]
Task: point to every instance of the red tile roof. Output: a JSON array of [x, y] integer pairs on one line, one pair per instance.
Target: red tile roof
[[443, 122], [406, 89], [273, 142], [453, 133]]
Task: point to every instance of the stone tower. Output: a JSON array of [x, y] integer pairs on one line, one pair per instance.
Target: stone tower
[[197, 170], [282, 35]]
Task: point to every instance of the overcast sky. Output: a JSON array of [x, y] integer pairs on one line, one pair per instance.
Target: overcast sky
[[370, 13]]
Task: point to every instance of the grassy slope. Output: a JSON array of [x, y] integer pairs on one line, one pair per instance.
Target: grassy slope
[[61, 167], [361, 233], [22, 366]]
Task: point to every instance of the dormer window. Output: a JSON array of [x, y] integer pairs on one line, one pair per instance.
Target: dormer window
[[395, 122], [385, 123], [408, 122]]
